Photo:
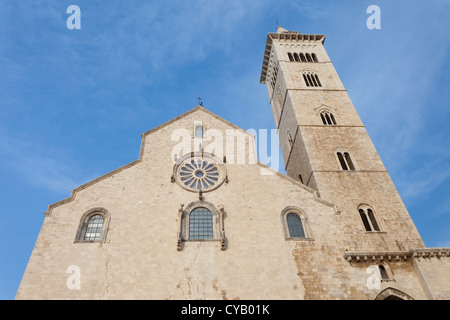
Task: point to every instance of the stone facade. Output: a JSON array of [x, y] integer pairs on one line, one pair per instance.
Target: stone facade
[[145, 248]]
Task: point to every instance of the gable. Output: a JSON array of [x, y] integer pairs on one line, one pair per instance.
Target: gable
[[161, 148]]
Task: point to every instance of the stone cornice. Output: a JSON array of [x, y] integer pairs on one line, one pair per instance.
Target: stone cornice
[[378, 256]]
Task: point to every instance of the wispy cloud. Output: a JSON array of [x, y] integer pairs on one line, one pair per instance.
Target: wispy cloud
[[39, 165]]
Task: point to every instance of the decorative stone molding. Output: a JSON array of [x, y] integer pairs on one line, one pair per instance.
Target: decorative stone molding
[[430, 252], [377, 256], [363, 256]]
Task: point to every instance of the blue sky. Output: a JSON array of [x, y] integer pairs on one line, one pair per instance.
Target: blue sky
[[75, 102]]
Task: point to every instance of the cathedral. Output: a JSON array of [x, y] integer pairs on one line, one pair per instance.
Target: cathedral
[[198, 217]]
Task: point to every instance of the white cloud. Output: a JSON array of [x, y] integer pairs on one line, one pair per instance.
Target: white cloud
[[38, 165]]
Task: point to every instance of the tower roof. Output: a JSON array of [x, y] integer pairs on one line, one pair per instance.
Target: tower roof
[[288, 36]]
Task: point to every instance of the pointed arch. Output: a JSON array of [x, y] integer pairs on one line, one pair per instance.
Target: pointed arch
[[393, 294]]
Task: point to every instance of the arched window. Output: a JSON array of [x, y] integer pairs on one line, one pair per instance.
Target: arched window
[[345, 161], [201, 221], [200, 224], [296, 58], [294, 222], [302, 57], [327, 117], [198, 131], [317, 79], [314, 57], [295, 226], [308, 57], [291, 58], [311, 79], [368, 218], [93, 226]]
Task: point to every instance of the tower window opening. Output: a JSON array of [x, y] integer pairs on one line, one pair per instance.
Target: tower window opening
[[368, 218], [291, 58], [302, 57], [314, 57], [345, 161], [311, 80], [327, 117]]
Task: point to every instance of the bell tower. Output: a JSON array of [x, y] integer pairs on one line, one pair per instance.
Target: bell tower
[[326, 146]]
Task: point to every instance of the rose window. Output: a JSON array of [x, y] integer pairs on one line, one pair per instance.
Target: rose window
[[199, 173]]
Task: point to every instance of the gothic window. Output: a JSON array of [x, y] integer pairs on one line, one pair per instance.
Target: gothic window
[[311, 79], [198, 131], [345, 160], [327, 118], [93, 226], [294, 223], [200, 224], [368, 218]]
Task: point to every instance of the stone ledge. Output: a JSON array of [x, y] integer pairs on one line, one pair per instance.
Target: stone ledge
[[378, 256], [430, 252]]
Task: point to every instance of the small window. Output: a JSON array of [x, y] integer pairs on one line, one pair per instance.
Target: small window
[[93, 226], [327, 118], [291, 58], [314, 57], [383, 272], [302, 57], [295, 226], [368, 218], [311, 79], [300, 178], [199, 131], [345, 161]]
